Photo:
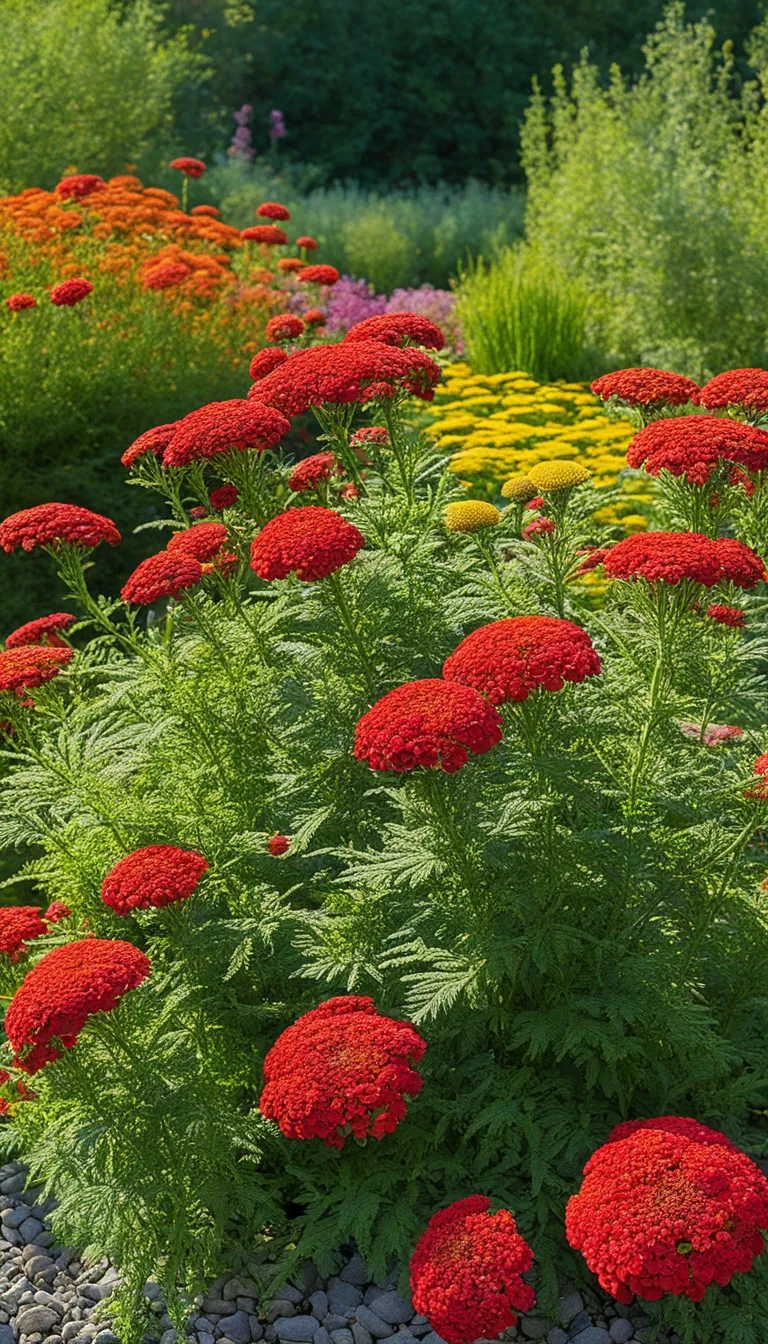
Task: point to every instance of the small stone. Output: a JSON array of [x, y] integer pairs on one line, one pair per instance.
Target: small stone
[[13, 1185], [334, 1321], [579, 1323], [70, 1330], [322, 1336], [215, 1306], [34, 1319], [290, 1294], [257, 1329], [391, 1307], [37, 1263], [342, 1337], [238, 1287], [236, 1327], [620, 1331], [319, 1303], [360, 1334], [643, 1335], [297, 1329], [343, 1296], [246, 1304], [419, 1326], [12, 1237], [569, 1307], [557, 1336], [280, 1307], [48, 1300], [204, 1338], [30, 1228], [375, 1326], [433, 1338], [95, 1292], [168, 1336], [6, 1334], [355, 1271], [106, 1337], [535, 1327], [594, 1335]]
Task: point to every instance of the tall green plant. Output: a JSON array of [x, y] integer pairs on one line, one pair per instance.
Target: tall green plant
[[517, 313]]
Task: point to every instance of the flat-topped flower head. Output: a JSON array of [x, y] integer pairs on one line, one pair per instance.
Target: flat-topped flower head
[[278, 845], [341, 374], [272, 210], [188, 166], [732, 616], [683, 1125], [342, 1069], [318, 274], [284, 327], [309, 542], [221, 426], [45, 630], [154, 441], [56, 912], [26, 668], [203, 541], [378, 434], [266, 361], [155, 876], [167, 574], [671, 557], [508, 659], [519, 488], [223, 497], [693, 446], [269, 235], [79, 186], [312, 471], [167, 275], [432, 723], [51, 524], [471, 515], [558, 475], [70, 292], [19, 926], [747, 388], [66, 987], [668, 1210], [18, 302], [398, 329], [759, 792], [646, 387], [466, 1272], [306, 242]]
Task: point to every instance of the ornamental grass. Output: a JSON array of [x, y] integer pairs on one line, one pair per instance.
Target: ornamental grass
[[377, 884]]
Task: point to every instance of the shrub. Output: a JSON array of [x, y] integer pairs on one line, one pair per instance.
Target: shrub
[[561, 890]]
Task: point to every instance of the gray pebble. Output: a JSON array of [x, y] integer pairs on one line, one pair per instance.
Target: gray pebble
[[535, 1327], [334, 1321], [168, 1336], [594, 1335], [280, 1307], [579, 1323], [375, 1326], [238, 1287], [569, 1307], [620, 1331], [433, 1338], [297, 1329], [215, 1306], [322, 1336], [343, 1296], [70, 1330], [342, 1337], [95, 1292], [290, 1294], [30, 1228], [13, 1185], [106, 1337], [204, 1338], [319, 1303], [355, 1271], [557, 1336], [360, 1334], [257, 1329], [34, 1319], [6, 1335], [391, 1307], [419, 1326], [12, 1237], [236, 1327], [643, 1335]]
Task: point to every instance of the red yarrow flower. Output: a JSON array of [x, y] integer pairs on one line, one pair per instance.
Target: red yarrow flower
[[56, 912], [665, 1211], [309, 244], [279, 844], [671, 557], [19, 925], [713, 735], [18, 302], [223, 497], [430, 723], [284, 327], [70, 292], [341, 1069], [66, 987], [51, 524], [314, 317], [221, 426], [345, 373], [760, 791], [592, 558], [79, 185], [268, 234], [272, 210], [23, 669], [310, 542], [167, 574], [202, 542], [398, 329], [683, 1125], [155, 876], [732, 616], [312, 471], [533, 504], [209, 210], [539, 527], [646, 387], [153, 441], [369, 434], [737, 387], [319, 275], [289, 264], [21, 1088], [45, 630], [694, 445], [266, 361], [508, 659], [465, 1271], [189, 167], [167, 275]]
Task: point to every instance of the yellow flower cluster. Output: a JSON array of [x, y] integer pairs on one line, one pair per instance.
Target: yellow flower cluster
[[496, 425], [471, 515]]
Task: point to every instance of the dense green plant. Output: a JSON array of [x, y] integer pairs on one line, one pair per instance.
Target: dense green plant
[[574, 920], [653, 196], [86, 84], [517, 312]]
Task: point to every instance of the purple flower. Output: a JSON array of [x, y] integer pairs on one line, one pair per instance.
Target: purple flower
[[241, 148], [277, 125], [351, 301]]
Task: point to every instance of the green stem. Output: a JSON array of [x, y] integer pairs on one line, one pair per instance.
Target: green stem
[[348, 620], [393, 430]]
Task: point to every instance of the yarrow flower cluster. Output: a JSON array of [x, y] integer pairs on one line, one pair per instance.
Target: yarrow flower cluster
[[188, 166], [284, 327], [737, 387], [66, 987], [671, 557], [312, 471], [318, 274], [269, 235], [694, 445], [203, 541], [19, 925], [70, 292], [153, 441], [341, 1069], [344, 373], [155, 876], [307, 243], [431, 723], [223, 497], [759, 792], [559, 474], [714, 734], [18, 302], [370, 434], [646, 387], [508, 659], [24, 1093], [539, 527], [79, 186], [266, 361], [466, 1271], [167, 574], [50, 524], [166, 275], [398, 329], [519, 488], [222, 425], [23, 669], [272, 210], [45, 630], [56, 912], [668, 1209], [309, 542], [733, 616], [471, 515], [279, 844]]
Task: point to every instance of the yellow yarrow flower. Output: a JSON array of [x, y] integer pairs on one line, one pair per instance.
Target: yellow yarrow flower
[[519, 488], [558, 475], [471, 515]]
